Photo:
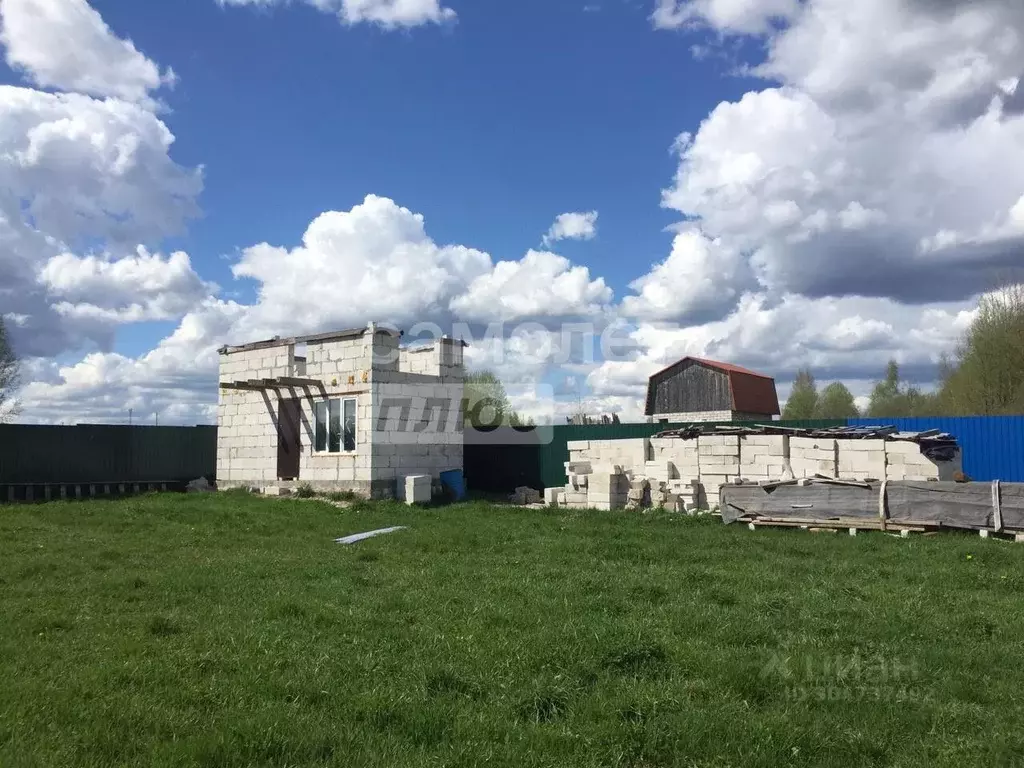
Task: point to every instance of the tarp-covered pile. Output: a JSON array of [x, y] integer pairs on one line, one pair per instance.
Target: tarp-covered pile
[[993, 506]]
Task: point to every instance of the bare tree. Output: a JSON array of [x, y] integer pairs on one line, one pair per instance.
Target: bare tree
[[9, 378]]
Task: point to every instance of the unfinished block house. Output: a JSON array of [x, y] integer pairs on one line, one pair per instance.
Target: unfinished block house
[[349, 410], [693, 390]]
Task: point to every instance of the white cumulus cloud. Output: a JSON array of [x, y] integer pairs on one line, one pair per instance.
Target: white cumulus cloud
[[65, 44], [389, 14], [739, 16], [573, 226], [700, 277], [881, 165]]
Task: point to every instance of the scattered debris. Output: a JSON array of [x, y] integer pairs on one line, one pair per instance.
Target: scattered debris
[[199, 485], [356, 537], [525, 495]]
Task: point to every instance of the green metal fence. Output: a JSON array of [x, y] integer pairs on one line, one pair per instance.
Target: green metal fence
[[494, 466], [31, 454]]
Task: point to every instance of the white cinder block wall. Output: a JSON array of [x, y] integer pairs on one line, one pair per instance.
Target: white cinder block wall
[[430, 442], [369, 368]]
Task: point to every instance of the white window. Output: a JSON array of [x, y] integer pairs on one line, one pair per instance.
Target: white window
[[335, 425]]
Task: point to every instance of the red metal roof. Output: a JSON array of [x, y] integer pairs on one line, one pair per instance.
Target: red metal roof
[[751, 392], [729, 367]]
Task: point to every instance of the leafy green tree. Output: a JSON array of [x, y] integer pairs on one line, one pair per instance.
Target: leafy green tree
[[803, 398], [885, 395], [836, 402], [486, 404], [987, 376], [9, 370], [891, 398]]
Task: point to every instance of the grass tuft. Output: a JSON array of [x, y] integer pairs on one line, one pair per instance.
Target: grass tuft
[[305, 491], [161, 626], [637, 661], [543, 707]]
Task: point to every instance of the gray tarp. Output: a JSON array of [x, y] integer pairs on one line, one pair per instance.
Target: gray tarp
[[946, 504]]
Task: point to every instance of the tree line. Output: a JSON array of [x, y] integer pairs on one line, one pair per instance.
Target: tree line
[[983, 377]]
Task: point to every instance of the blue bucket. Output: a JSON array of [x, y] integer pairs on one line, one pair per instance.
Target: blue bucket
[[453, 481]]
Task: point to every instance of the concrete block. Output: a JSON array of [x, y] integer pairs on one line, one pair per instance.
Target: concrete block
[[606, 498], [902, 447], [725, 450], [861, 446], [415, 489], [731, 440], [601, 482]]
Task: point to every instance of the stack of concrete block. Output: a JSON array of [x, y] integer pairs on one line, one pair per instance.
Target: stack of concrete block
[[577, 472], [660, 471], [574, 495], [574, 498], [608, 490], [415, 489], [683, 454], [627, 453], [763, 457], [719, 463], [862, 459], [578, 450], [810, 456], [904, 461], [554, 497], [639, 494]]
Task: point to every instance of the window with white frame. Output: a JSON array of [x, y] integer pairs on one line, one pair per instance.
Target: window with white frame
[[335, 425]]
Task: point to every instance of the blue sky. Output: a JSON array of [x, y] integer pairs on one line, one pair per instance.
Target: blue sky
[[842, 203], [489, 127]]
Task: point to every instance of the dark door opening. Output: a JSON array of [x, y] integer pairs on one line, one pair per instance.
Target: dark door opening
[[289, 440]]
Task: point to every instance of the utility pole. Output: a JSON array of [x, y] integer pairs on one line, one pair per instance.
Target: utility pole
[[156, 419], [129, 417]]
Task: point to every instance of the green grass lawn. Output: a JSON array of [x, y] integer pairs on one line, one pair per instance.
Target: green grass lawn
[[228, 630]]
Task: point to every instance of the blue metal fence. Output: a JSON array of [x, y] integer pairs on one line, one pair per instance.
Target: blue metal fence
[[993, 446]]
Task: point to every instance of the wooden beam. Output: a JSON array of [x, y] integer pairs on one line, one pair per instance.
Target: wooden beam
[[292, 381]]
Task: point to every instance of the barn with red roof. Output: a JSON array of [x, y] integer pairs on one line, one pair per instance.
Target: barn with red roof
[[694, 389]]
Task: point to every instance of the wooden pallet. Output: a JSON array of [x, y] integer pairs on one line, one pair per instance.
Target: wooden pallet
[[853, 525]]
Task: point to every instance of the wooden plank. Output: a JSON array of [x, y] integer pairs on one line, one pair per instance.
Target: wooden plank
[[831, 524], [883, 510], [824, 480], [997, 510], [240, 385], [294, 381], [839, 522]]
